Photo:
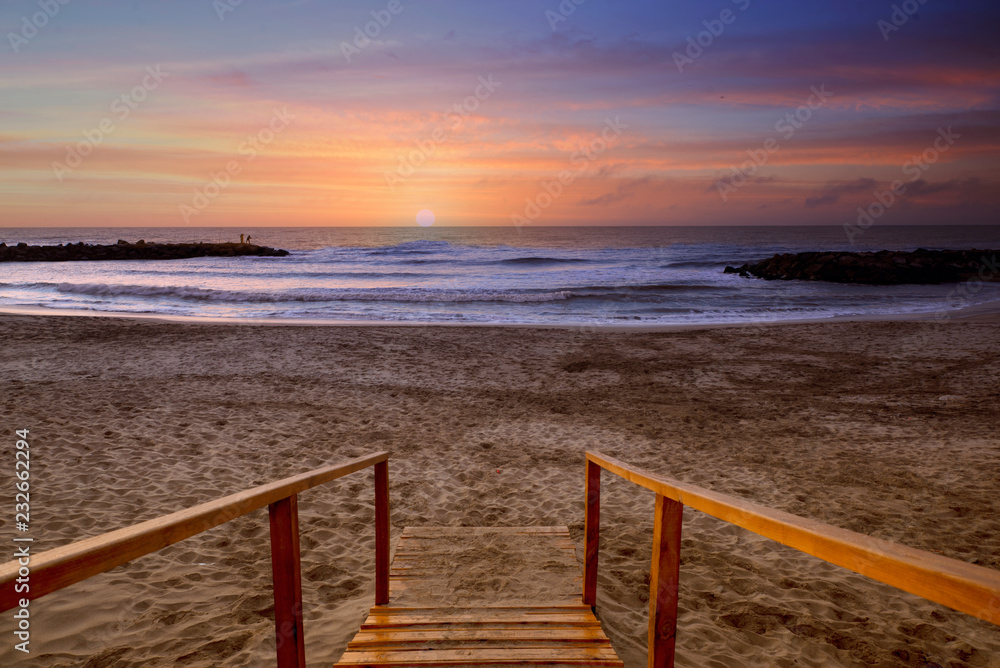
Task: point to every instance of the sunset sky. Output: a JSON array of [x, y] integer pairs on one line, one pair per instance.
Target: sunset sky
[[123, 113]]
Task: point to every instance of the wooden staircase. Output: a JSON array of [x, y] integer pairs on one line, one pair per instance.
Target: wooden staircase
[[483, 596]]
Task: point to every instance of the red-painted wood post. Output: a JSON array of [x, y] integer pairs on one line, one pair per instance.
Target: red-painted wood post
[[382, 533], [286, 572], [592, 534], [663, 582]]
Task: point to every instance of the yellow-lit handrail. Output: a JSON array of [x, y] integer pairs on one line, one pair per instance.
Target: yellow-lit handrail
[[62, 566], [971, 589]]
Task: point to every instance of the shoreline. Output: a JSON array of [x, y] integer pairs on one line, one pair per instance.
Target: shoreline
[[987, 312]]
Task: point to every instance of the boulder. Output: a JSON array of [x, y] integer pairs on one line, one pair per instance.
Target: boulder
[[123, 250], [885, 267]]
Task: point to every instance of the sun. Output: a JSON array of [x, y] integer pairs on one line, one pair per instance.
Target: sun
[[425, 218]]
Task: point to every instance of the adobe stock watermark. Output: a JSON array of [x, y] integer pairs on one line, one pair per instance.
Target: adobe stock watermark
[[565, 10], [121, 108], [248, 149], [914, 168], [706, 38], [900, 15], [455, 117], [223, 7], [31, 25], [786, 126], [581, 158], [363, 38]]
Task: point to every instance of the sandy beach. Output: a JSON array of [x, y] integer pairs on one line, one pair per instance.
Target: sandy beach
[[886, 428]]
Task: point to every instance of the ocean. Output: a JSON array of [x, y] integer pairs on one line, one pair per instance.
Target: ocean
[[531, 275]]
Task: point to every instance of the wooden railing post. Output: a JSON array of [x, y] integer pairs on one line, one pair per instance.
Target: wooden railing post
[[382, 533], [286, 571], [663, 582], [592, 534]]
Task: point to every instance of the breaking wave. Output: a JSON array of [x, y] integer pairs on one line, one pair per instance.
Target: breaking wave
[[314, 295], [364, 294], [541, 260]]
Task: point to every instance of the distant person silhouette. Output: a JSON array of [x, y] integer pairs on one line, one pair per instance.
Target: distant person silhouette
[[248, 238], [241, 238]]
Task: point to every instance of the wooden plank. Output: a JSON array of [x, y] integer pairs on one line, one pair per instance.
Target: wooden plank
[[463, 630], [506, 641], [438, 531], [558, 630], [592, 533], [505, 626], [60, 567], [974, 590], [664, 582], [527, 609], [382, 532], [409, 544], [287, 582], [511, 634], [434, 565], [486, 615], [555, 656], [481, 645], [479, 616], [542, 608], [433, 620]]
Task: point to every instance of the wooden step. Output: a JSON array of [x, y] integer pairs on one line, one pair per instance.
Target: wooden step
[[570, 656], [544, 623], [477, 635], [523, 616]]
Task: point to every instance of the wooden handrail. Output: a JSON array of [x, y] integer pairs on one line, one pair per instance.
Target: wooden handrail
[[971, 589], [62, 566]]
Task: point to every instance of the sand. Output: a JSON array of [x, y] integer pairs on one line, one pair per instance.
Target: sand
[[885, 428]]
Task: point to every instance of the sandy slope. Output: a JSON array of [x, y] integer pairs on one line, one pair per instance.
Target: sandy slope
[[888, 428]]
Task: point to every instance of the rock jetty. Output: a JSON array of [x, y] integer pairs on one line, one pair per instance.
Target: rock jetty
[[878, 268], [124, 250]]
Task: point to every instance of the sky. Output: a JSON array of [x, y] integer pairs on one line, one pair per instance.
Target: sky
[[544, 112]]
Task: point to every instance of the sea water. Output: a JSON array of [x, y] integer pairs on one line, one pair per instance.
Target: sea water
[[533, 275]]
